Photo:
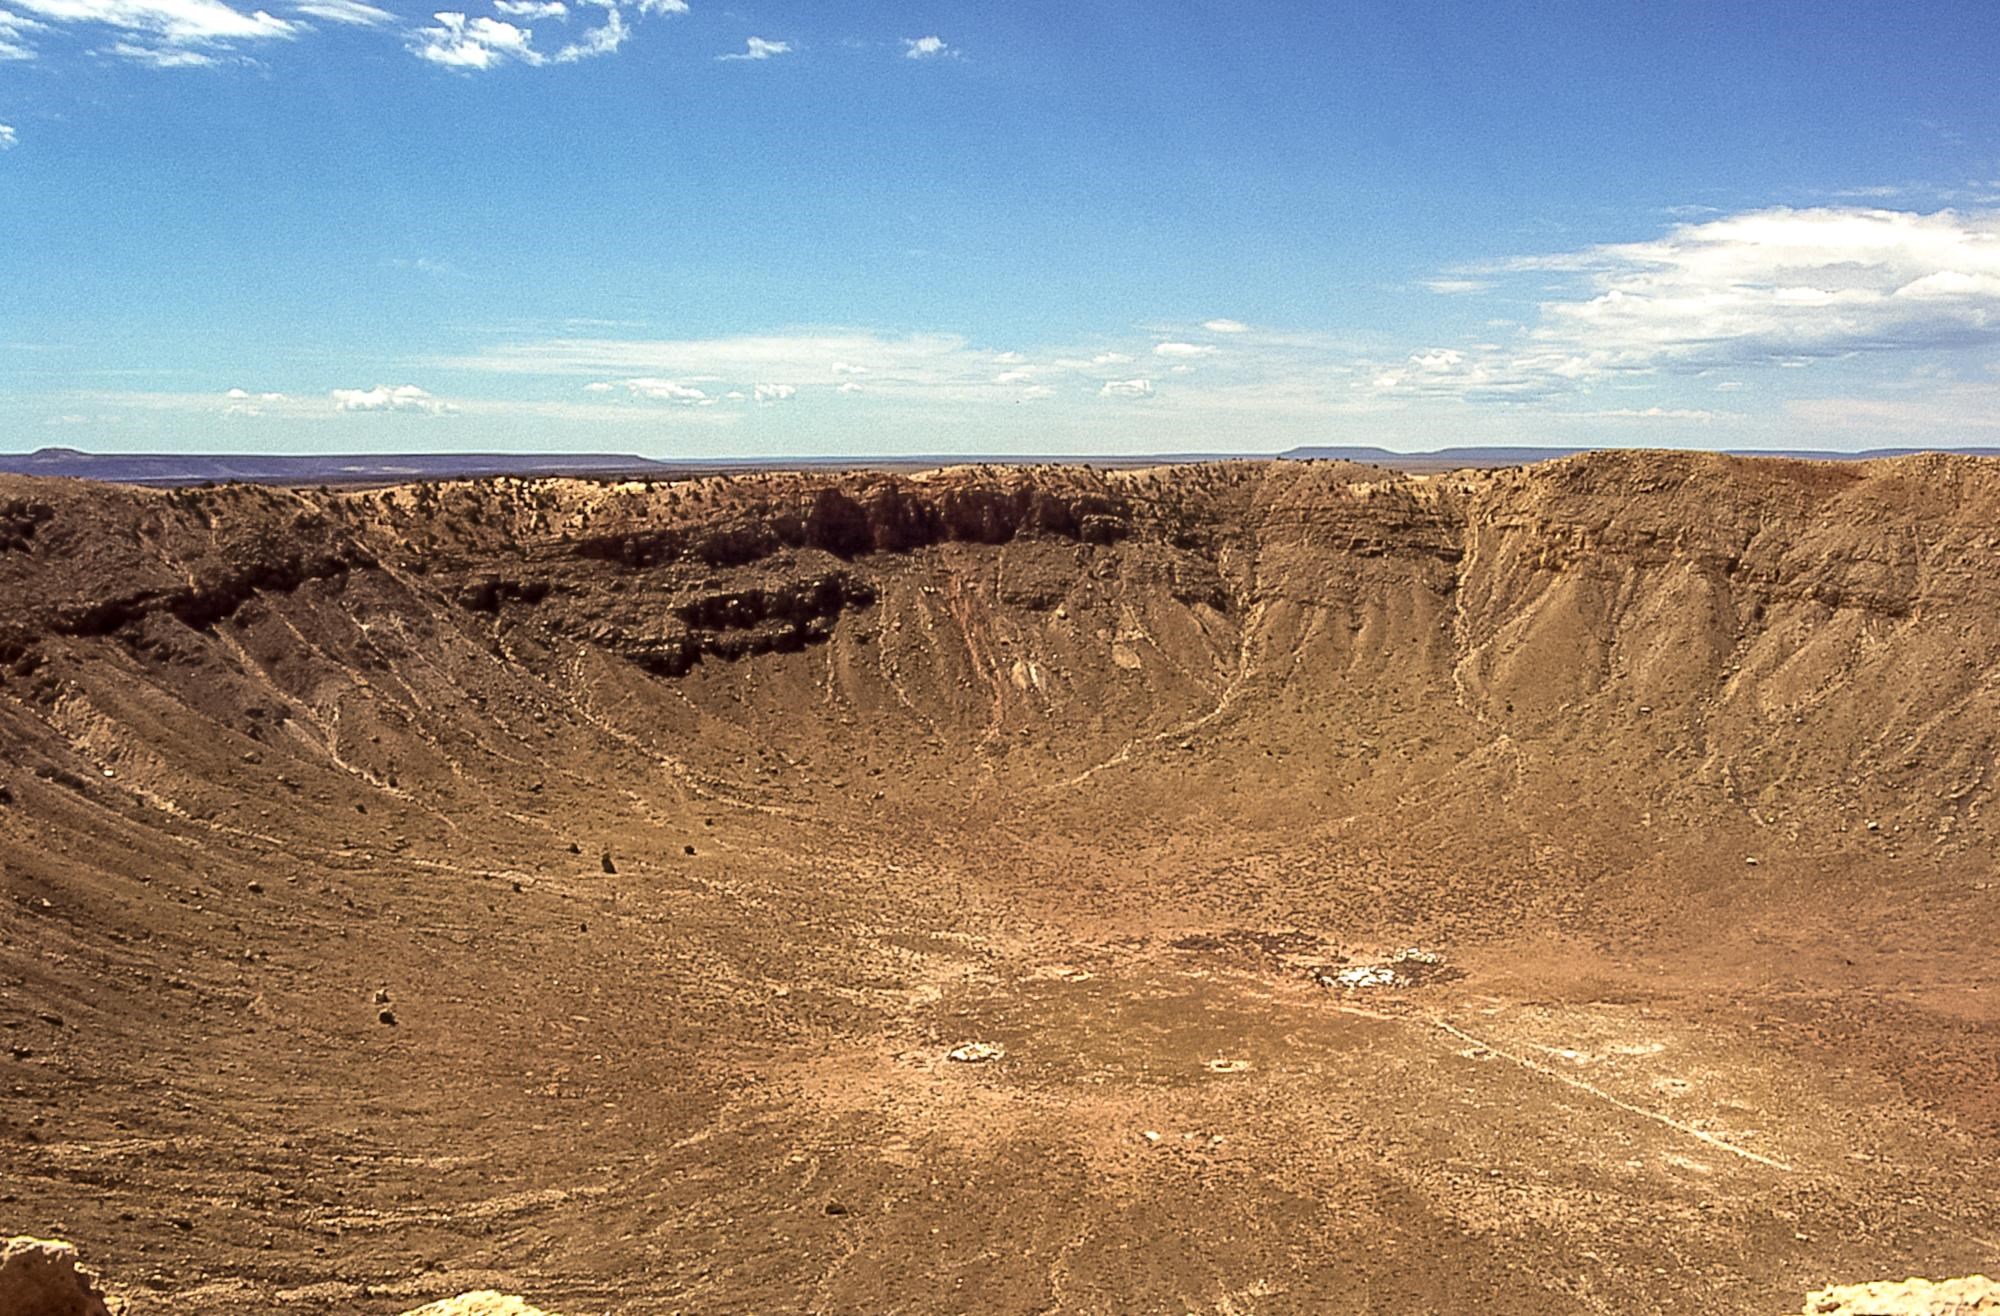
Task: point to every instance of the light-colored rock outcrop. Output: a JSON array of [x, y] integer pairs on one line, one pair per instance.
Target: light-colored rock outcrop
[[1975, 1295], [484, 1302], [40, 1277]]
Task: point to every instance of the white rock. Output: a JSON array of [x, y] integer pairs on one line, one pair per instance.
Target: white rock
[[484, 1302], [976, 1053], [1975, 1295]]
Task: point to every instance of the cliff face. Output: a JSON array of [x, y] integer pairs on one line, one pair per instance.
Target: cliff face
[[1815, 642]]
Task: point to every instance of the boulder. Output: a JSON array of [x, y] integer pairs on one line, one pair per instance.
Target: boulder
[[40, 1277], [484, 1302], [1975, 1295]]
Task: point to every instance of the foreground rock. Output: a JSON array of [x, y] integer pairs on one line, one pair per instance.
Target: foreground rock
[[1975, 1295], [40, 1277], [484, 1302]]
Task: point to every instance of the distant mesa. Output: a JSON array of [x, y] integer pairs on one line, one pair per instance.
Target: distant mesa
[[351, 470]]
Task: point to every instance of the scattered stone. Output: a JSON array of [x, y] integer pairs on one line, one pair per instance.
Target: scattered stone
[[687, 849], [976, 1053], [387, 1016], [837, 1208], [1409, 967], [1227, 1066], [606, 864], [484, 1302], [256, 888], [1152, 1136], [40, 1277], [381, 996], [1975, 1295], [1750, 861]]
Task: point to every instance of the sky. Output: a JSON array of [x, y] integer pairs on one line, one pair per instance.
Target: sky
[[704, 228]]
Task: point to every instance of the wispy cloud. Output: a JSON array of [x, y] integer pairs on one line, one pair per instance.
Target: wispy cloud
[[179, 22], [1182, 351], [437, 269], [1458, 287], [353, 12], [1126, 388], [14, 29], [164, 57], [8, 136], [1697, 415], [532, 10], [1225, 326], [604, 39], [758, 48]]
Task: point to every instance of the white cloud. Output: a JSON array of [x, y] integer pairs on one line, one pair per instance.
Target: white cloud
[[600, 386], [759, 48], [769, 393], [1458, 287], [659, 6], [1695, 414], [176, 21], [531, 10], [242, 403], [1126, 388], [13, 27], [1225, 326], [1775, 285], [666, 390], [1014, 377], [383, 397], [927, 48], [1765, 288], [163, 57], [351, 12], [1475, 377], [477, 43], [603, 39], [848, 368], [1111, 359], [850, 387], [1181, 350], [8, 136]]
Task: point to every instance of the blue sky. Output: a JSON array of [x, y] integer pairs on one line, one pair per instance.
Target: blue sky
[[709, 228]]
